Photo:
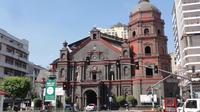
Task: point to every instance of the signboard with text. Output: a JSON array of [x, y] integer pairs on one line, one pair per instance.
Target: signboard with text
[[148, 98], [50, 90]]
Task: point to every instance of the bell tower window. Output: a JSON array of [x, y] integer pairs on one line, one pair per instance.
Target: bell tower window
[[149, 72], [94, 76], [158, 32], [133, 33], [146, 31], [147, 50]]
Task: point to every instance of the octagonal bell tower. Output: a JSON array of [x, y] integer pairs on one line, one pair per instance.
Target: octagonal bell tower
[[149, 45]]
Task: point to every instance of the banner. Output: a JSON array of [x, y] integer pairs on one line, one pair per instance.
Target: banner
[[50, 90]]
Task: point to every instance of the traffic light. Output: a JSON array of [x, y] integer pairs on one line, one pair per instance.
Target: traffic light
[[117, 63], [64, 86], [193, 69], [155, 69], [137, 66], [87, 60]]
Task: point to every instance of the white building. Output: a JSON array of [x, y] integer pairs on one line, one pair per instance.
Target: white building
[[119, 30], [186, 32]]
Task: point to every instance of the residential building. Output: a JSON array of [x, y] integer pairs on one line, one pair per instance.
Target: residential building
[[100, 67], [186, 32], [34, 71], [13, 55], [39, 84], [119, 30]]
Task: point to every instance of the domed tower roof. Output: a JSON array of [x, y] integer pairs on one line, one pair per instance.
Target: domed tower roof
[[144, 5]]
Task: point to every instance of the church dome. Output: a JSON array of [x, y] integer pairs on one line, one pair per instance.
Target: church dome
[[144, 5]]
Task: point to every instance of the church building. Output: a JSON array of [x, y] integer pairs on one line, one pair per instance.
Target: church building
[[100, 67]]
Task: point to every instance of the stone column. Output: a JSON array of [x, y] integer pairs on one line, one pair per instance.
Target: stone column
[[98, 103], [98, 99]]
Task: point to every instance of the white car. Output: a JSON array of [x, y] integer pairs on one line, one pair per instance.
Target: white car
[[192, 105], [90, 107]]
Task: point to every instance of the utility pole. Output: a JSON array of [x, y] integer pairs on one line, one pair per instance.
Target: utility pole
[[170, 74], [191, 89]]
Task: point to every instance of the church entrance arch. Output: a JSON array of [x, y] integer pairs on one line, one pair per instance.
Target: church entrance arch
[[91, 97]]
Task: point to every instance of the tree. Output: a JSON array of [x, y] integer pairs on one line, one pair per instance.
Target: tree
[[17, 87], [130, 98], [120, 100]]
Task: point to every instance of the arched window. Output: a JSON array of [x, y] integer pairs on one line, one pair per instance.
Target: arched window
[[94, 76], [125, 53], [147, 50], [94, 36], [125, 70], [133, 33], [158, 32], [149, 72], [146, 31], [62, 55], [61, 72], [111, 76]]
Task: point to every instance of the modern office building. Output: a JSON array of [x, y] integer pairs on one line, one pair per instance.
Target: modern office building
[[119, 30], [13, 55], [186, 31]]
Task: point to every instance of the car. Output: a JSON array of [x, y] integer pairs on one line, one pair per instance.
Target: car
[[180, 107], [91, 107], [192, 105]]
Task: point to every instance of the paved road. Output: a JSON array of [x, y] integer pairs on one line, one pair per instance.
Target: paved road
[[122, 111]]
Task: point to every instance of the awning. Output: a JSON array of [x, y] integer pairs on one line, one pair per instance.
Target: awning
[[3, 93]]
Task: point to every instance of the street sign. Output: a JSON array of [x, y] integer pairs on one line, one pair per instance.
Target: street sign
[[50, 90]]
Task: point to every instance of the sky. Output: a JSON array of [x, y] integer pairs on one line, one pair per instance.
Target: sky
[[46, 24]]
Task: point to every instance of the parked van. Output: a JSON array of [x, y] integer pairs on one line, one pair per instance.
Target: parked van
[[192, 105]]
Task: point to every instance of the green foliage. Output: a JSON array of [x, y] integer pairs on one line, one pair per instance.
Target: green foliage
[[68, 110], [37, 102], [130, 98], [17, 87], [120, 99]]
